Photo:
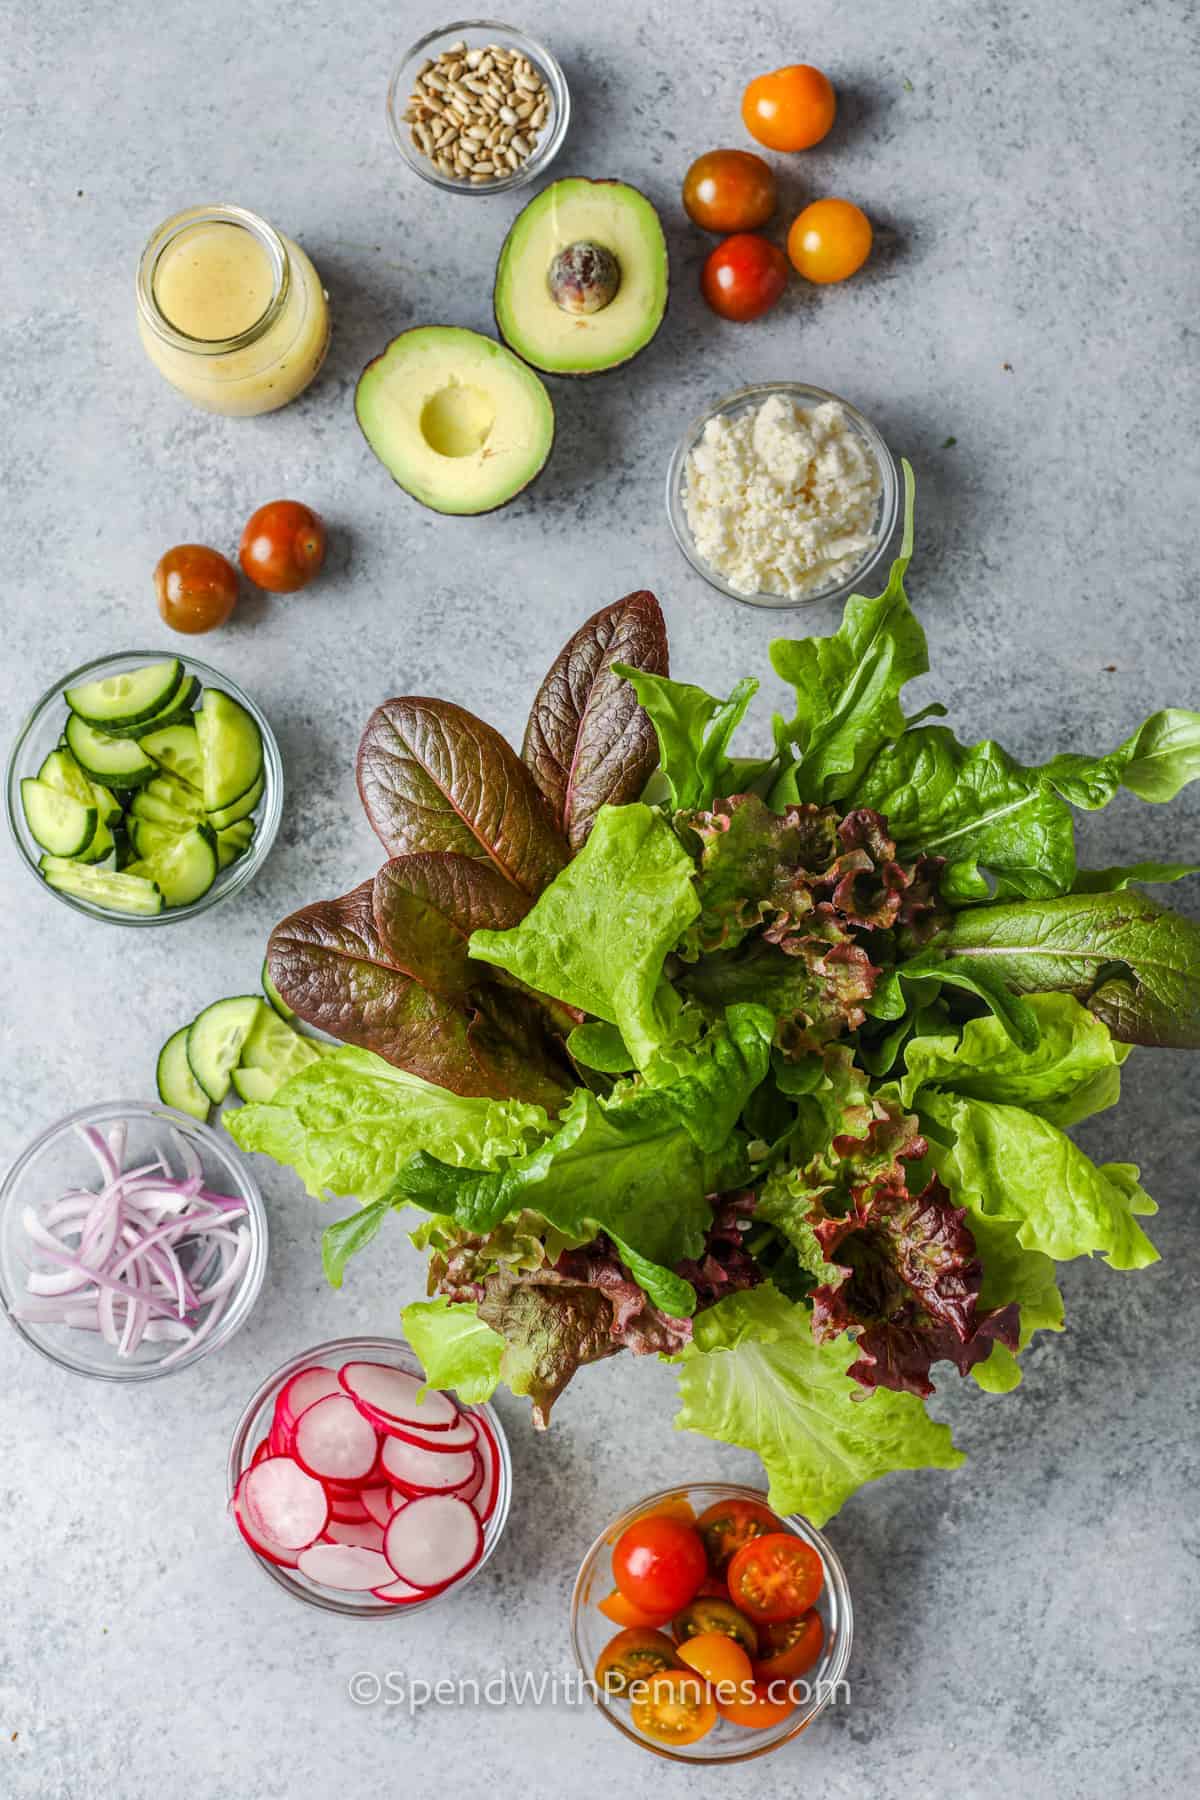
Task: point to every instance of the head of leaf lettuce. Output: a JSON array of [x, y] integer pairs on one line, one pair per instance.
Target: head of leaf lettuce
[[766, 1065]]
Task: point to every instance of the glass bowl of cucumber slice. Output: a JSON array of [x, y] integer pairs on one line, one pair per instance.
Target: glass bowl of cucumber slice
[[143, 789]]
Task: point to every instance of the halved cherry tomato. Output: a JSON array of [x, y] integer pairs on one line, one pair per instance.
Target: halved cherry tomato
[[712, 1588], [632, 1656], [758, 1710], [675, 1506], [674, 1708], [283, 546], [722, 1663], [829, 240], [623, 1612], [704, 1616], [775, 1577], [658, 1563], [789, 1647], [728, 1524], [744, 276], [729, 190], [789, 109]]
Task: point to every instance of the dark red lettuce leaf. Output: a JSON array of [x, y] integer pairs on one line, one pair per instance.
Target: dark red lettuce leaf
[[550, 1327], [434, 777], [588, 743], [333, 969], [426, 906]]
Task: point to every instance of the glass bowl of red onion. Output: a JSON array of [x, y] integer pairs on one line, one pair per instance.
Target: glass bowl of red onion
[[133, 1241]]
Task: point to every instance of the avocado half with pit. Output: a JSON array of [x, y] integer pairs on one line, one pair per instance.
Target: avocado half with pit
[[458, 421], [581, 285]]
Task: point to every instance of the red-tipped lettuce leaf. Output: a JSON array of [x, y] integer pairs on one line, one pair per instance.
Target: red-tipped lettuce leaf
[[588, 743], [426, 906], [434, 777]]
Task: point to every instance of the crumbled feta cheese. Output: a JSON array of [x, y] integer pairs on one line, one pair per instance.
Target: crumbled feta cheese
[[781, 500]]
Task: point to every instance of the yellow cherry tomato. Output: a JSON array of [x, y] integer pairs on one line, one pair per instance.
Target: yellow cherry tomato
[[789, 109], [722, 1662], [829, 240], [674, 1707]]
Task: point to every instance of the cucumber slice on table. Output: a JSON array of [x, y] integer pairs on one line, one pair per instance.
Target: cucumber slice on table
[[214, 1042], [177, 1086], [118, 762], [103, 887], [234, 842], [278, 1003], [176, 748], [255, 1084], [232, 749], [277, 1048], [125, 699], [186, 869], [59, 822], [241, 808]]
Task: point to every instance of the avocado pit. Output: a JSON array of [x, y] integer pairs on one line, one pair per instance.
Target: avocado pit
[[584, 278]]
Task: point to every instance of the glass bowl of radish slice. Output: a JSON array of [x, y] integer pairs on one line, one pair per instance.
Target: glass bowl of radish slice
[[133, 1241], [360, 1490]]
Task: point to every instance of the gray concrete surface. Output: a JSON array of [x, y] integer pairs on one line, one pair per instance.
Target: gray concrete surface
[[1025, 333]]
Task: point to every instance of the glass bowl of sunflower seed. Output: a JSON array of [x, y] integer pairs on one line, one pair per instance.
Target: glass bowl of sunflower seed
[[478, 107]]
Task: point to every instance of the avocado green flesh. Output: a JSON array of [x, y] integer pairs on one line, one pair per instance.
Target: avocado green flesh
[[457, 420], [618, 219]]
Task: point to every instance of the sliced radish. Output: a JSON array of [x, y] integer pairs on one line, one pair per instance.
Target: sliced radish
[[335, 1442], [413, 1466], [378, 1502], [347, 1566], [484, 1501], [399, 1499], [433, 1540], [260, 1541], [366, 1533], [395, 1395], [459, 1436], [281, 1504], [348, 1511], [475, 1485], [281, 1438], [263, 1449], [401, 1593], [304, 1390]]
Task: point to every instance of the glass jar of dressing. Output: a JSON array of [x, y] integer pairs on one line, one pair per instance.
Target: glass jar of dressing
[[232, 313]]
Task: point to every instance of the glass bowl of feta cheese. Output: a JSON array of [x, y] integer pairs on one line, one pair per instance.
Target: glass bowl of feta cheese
[[782, 495]]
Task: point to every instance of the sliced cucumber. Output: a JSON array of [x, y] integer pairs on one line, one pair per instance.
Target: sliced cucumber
[[255, 1085], [118, 762], [177, 1086], [174, 792], [125, 699], [274, 1046], [61, 824], [234, 841], [273, 994], [214, 1042], [110, 807], [186, 869], [102, 887], [61, 771], [149, 838], [232, 747], [101, 846], [176, 748], [241, 808], [179, 711], [168, 802]]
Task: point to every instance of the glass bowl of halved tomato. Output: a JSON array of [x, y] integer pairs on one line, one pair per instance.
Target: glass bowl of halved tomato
[[709, 1627]]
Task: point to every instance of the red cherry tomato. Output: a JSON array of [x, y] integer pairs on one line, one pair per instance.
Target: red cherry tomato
[[744, 277], [658, 1563], [197, 588], [283, 546], [775, 1577], [729, 190], [728, 1524], [791, 108], [789, 1648]]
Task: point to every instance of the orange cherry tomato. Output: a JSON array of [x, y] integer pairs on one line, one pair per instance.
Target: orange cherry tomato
[[617, 1608], [789, 1647], [790, 109], [283, 546], [829, 240], [658, 1563], [729, 190], [775, 1577], [673, 1708], [197, 588], [633, 1656], [728, 1524], [722, 1663], [759, 1708], [675, 1506], [744, 277]]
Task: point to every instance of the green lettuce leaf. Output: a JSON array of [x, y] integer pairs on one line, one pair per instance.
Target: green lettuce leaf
[[348, 1124], [694, 730], [848, 686], [1074, 1069], [753, 1376], [1010, 1272], [1110, 881], [456, 1349], [1007, 1163], [1160, 758], [600, 933]]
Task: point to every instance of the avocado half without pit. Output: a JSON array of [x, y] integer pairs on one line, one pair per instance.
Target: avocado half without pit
[[457, 420], [581, 285]]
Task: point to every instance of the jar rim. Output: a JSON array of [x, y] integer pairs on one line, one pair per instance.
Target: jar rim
[[166, 234]]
